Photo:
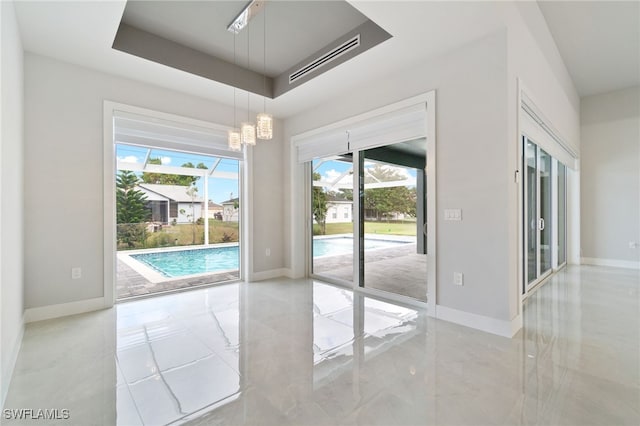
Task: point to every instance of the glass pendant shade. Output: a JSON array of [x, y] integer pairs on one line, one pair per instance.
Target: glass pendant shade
[[265, 126], [248, 131], [234, 139]]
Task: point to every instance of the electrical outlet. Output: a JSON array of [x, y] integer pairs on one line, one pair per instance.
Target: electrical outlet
[[458, 278], [633, 245], [267, 252], [76, 273]]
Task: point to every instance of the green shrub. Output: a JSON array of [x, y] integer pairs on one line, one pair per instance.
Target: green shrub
[[133, 235]]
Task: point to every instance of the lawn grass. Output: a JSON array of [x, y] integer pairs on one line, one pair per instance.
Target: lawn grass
[[383, 228], [392, 228]]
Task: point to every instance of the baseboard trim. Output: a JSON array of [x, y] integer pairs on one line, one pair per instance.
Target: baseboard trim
[[7, 373], [479, 322], [614, 263], [267, 275], [63, 309]]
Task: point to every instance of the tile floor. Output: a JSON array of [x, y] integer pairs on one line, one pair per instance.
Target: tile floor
[[302, 352]]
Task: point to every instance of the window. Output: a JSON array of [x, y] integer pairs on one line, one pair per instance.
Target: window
[[174, 199]]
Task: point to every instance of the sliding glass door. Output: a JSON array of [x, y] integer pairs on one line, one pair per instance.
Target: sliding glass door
[[332, 218], [392, 254], [385, 247], [545, 222], [366, 209], [544, 213], [538, 221], [531, 211], [562, 214]]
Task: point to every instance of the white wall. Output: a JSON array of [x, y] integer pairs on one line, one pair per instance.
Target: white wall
[[340, 210], [64, 148], [192, 211], [11, 193], [472, 172], [268, 208], [535, 59], [610, 198]]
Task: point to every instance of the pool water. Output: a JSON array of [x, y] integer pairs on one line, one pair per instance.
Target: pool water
[[180, 263], [344, 245], [188, 262]]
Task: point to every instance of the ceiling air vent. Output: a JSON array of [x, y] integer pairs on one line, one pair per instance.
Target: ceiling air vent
[[334, 53]]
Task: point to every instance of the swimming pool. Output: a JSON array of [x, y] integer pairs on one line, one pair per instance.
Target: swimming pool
[[189, 262], [180, 263], [344, 245]]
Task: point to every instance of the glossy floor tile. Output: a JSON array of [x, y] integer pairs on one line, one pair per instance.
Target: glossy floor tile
[[300, 352]]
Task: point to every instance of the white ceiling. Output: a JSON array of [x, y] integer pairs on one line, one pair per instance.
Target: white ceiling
[[599, 42], [82, 33], [295, 30]]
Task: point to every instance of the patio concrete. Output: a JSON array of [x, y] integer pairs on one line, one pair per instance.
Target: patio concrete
[[397, 270], [131, 284]]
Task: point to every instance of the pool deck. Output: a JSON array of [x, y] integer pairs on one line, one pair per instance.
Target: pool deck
[[130, 283], [394, 269]]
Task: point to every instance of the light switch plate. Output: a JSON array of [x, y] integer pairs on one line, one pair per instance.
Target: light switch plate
[[453, 214]]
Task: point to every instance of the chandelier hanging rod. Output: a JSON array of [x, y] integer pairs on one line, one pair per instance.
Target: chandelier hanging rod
[[248, 12]]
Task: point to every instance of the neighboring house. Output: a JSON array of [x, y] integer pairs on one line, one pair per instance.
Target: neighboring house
[[230, 210], [171, 202], [339, 209], [215, 210]]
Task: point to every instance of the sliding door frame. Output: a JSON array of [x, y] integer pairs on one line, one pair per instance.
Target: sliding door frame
[[528, 112], [540, 275], [301, 176]]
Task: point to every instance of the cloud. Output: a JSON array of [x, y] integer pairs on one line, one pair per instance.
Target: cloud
[[332, 175], [165, 160], [129, 159]]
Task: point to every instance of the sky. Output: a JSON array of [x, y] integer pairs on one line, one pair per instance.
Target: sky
[[333, 169], [220, 189]]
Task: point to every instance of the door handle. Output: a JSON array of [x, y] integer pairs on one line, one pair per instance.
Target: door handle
[[541, 224]]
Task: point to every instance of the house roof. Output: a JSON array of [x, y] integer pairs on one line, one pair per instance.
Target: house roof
[[213, 205], [231, 201], [176, 193], [337, 198]]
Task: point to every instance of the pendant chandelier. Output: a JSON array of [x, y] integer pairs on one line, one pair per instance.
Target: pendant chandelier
[[248, 132], [264, 120]]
